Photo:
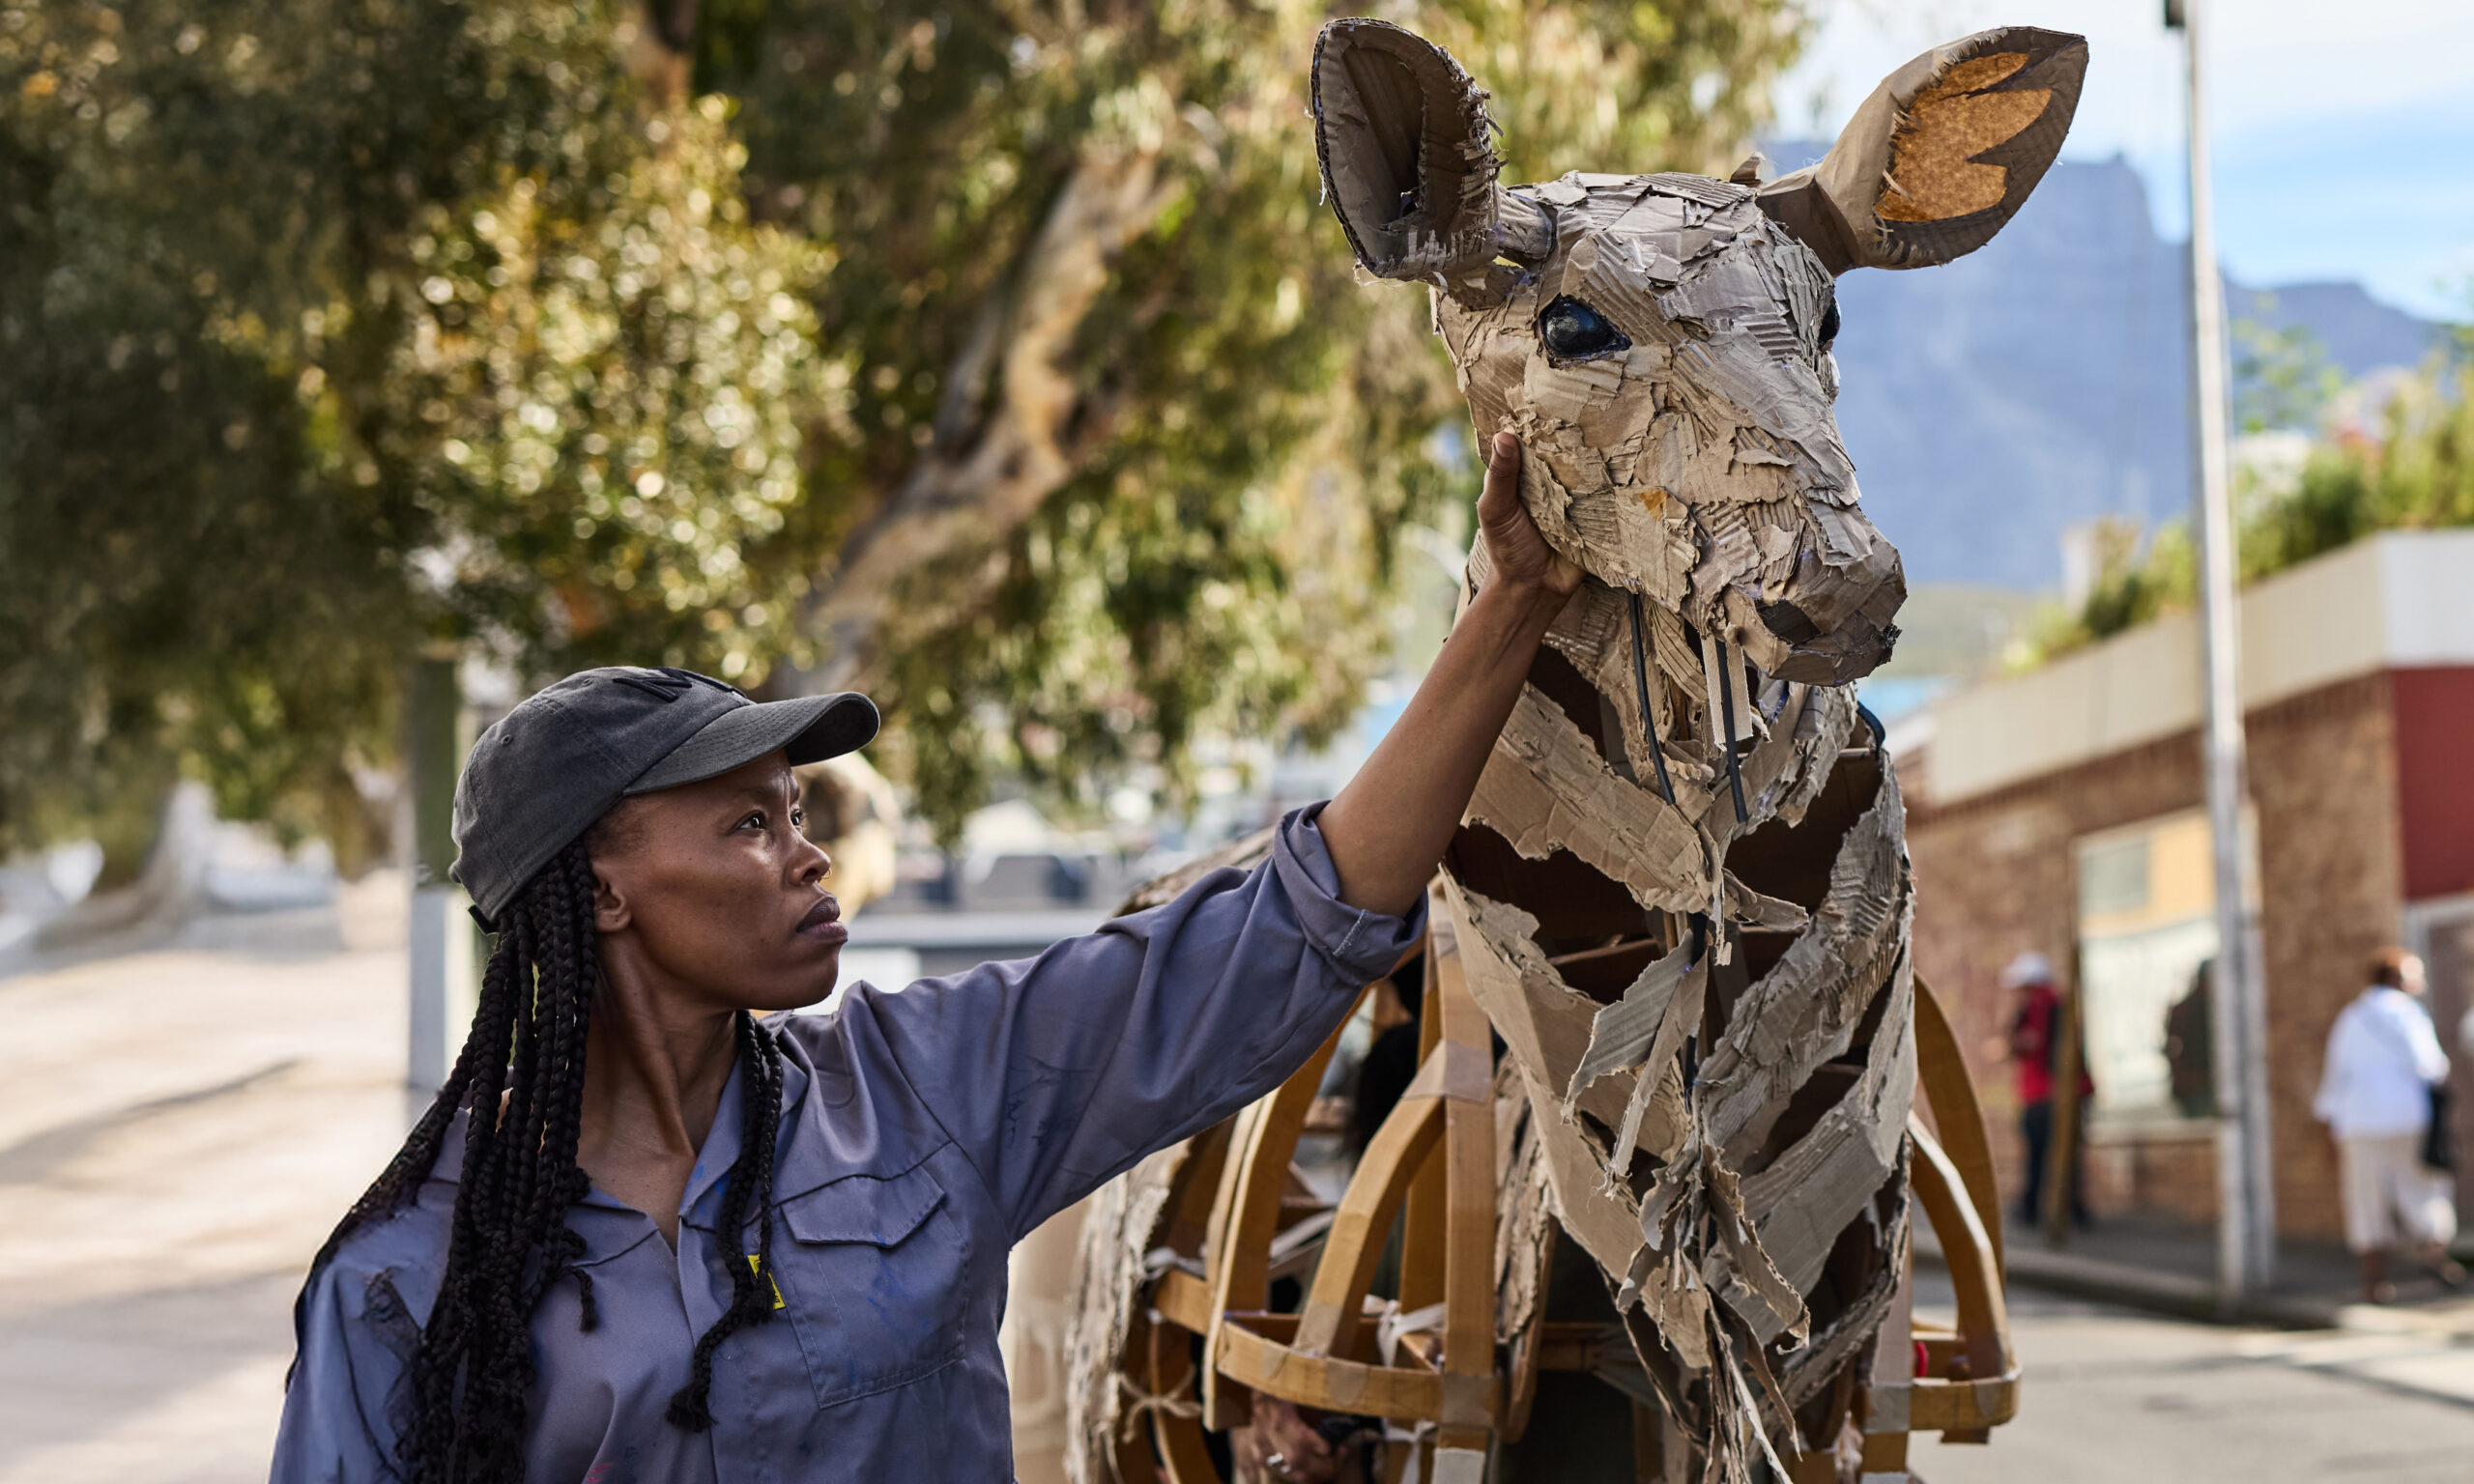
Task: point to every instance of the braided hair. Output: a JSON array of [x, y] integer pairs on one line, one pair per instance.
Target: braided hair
[[519, 1084]]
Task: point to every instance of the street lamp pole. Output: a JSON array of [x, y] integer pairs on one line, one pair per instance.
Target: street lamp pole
[[439, 959], [2246, 1222]]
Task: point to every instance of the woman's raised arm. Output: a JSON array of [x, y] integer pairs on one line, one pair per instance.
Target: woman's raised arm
[[1389, 827]]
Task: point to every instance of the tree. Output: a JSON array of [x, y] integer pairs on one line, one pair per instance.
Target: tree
[[333, 330], [2282, 378], [1134, 444], [2417, 475], [994, 355]]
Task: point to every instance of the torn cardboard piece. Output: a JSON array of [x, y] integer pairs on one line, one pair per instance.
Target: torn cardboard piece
[[1805, 1011], [1121, 1229], [1545, 788]]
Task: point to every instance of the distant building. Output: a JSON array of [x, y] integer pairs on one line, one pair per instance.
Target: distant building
[[2062, 810]]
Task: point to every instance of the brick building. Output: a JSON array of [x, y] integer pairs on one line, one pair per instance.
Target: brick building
[[2062, 810]]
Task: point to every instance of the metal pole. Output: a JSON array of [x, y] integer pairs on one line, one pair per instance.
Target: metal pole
[[2246, 1225], [441, 987]]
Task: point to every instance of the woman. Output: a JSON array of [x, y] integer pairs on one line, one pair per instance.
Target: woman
[[645, 1233]]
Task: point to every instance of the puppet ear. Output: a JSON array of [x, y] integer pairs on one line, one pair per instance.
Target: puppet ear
[[1942, 156], [1409, 162]]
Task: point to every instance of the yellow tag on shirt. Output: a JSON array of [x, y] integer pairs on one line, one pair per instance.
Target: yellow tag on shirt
[[756, 1268]]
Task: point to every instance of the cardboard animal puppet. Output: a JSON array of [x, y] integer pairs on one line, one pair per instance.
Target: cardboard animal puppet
[[1680, 892], [1683, 898]]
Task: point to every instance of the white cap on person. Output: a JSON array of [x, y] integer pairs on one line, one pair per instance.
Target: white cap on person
[[2028, 968]]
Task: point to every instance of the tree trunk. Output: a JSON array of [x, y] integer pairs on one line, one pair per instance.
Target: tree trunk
[[999, 449]]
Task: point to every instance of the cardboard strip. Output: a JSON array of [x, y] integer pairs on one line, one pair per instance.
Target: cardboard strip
[[1808, 1194], [1750, 1264], [1682, 1018], [1805, 1010], [1545, 788], [1620, 1035]]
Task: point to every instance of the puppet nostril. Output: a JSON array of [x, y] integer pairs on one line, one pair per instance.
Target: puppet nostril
[[1788, 622]]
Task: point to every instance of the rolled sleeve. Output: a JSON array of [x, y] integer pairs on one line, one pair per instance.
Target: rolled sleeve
[[1053, 1073], [1362, 946]]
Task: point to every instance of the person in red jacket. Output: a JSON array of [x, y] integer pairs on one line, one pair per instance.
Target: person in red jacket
[[2036, 1058]]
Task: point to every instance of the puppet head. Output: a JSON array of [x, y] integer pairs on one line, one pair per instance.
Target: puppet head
[[1661, 343]]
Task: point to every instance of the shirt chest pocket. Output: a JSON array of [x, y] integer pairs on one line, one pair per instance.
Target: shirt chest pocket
[[877, 1272]]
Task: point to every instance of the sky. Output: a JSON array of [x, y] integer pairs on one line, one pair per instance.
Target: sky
[[2345, 150]]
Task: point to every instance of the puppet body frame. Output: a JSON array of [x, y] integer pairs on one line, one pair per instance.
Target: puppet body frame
[[1679, 897]]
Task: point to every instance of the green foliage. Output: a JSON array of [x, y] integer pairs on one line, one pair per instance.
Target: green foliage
[[2418, 475], [1220, 560], [2282, 378], [334, 327], [2135, 582], [609, 373], [2134, 589], [334, 330]]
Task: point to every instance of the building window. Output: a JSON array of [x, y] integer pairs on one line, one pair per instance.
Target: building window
[[2147, 925]]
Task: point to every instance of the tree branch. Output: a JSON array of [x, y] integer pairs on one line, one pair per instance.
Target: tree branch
[[999, 449]]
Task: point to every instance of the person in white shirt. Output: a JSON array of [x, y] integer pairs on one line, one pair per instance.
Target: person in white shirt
[[2375, 1095]]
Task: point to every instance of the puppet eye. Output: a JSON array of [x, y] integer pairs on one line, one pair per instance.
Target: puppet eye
[[1575, 331], [1829, 323]]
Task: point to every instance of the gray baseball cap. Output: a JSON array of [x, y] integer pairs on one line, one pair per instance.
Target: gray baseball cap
[[540, 777]]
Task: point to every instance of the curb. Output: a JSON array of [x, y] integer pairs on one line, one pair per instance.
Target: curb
[[2169, 1292], [2184, 1297]]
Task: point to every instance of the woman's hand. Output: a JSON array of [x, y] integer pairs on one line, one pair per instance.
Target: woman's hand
[[1518, 554]]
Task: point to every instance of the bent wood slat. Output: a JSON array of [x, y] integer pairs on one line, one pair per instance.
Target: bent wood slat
[[1330, 1321], [1188, 1229], [1989, 1394], [1184, 1300], [1259, 1359], [1956, 1408], [1957, 1117], [1179, 1437], [1468, 1327], [1246, 1219], [1127, 1455], [1421, 1231]]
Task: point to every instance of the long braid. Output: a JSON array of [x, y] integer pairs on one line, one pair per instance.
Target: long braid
[[396, 1185], [558, 1182], [748, 1192], [462, 1430], [518, 1082]]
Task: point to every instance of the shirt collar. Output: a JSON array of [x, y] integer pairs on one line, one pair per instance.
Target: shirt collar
[[708, 1183], [714, 1161]]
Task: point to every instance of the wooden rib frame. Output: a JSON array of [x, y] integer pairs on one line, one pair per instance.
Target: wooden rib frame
[[1439, 1139]]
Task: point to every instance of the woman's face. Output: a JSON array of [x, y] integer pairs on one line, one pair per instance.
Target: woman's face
[[711, 890]]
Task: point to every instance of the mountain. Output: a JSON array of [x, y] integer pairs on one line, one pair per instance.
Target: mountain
[[2042, 381], [2358, 332]]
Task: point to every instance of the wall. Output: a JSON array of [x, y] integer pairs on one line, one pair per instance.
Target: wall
[[1994, 879], [2332, 889], [2435, 769], [2396, 602]]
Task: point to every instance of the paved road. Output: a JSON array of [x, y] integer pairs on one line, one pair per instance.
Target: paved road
[[2115, 1396]]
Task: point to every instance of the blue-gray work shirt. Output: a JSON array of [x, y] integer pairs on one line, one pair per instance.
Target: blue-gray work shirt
[[922, 1134]]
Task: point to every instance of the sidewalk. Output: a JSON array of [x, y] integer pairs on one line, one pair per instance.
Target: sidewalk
[[180, 1125], [2170, 1267]]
